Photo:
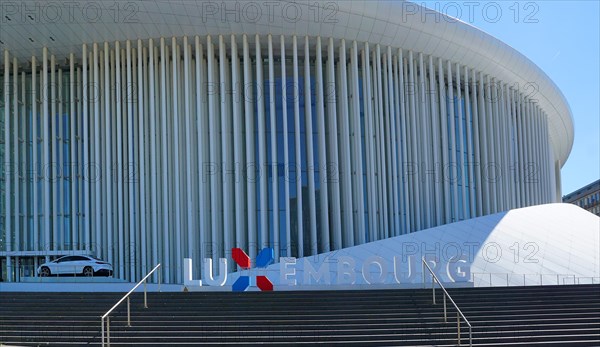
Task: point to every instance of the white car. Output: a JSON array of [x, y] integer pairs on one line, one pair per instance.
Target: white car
[[85, 265]]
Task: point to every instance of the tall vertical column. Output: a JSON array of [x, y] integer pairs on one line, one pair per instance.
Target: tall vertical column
[[406, 216], [7, 182], [141, 148], [226, 164], [333, 147], [298, 157], [274, 156], [16, 158], [344, 148], [460, 162], [238, 154], [201, 118], [175, 53], [262, 147], [189, 203], [250, 155], [357, 162], [310, 160], [322, 148], [166, 221], [286, 156]]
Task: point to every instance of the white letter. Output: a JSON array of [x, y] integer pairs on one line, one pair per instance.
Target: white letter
[[346, 267], [207, 269], [285, 270], [309, 271]]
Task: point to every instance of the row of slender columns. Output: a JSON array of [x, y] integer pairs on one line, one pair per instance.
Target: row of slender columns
[[177, 148]]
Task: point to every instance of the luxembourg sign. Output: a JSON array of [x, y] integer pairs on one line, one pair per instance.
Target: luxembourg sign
[[332, 269]]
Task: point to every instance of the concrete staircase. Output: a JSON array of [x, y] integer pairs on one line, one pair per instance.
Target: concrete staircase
[[505, 316]]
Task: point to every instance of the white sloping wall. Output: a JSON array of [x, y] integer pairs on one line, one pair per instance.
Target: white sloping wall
[[545, 244]]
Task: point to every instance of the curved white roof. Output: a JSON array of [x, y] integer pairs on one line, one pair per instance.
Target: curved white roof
[[64, 26]]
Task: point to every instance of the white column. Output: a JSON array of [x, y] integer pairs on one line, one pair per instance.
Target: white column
[[310, 160], [298, 162], [380, 143], [250, 157], [485, 184], [166, 226], [322, 148], [438, 191], [130, 164], [476, 140], [460, 163], [286, 158], [120, 165], [97, 159], [23, 238], [108, 148], [175, 53], [262, 150], [46, 150], [396, 145], [237, 88], [344, 148], [7, 191], [333, 147], [453, 144], [225, 165], [141, 148], [189, 205], [424, 162], [392, 146], [413, 144], [366, 93], [153, 162], [387, 113], [80, 184], [356, 141], [406, 213], [514, 150], [468, 167], [273, 164], [201, 118], [14, 165]]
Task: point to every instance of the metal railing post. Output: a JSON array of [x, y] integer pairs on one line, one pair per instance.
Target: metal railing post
[[102, 320], [445, 319], [145, 295], [108, 331], [458, 326], [423, 268], [470, 337], [128, 313], [159, 279], [433, 288]]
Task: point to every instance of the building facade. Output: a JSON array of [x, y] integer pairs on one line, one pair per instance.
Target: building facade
[[153, 141], [587, 197]]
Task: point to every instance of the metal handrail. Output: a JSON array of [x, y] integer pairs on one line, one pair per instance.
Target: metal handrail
[[458, 311], [106, 315]]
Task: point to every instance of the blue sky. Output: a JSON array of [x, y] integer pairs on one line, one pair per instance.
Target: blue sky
[[563, 39]]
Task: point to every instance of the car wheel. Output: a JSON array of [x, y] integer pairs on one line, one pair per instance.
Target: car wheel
[[88, 271], [45, 272]]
